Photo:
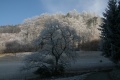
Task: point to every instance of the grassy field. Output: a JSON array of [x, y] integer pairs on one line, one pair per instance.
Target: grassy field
[[87, 61]]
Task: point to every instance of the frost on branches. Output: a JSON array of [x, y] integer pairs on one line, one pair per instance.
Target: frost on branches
[[57, 45]]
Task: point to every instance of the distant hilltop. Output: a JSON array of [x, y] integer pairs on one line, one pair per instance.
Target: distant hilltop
[[19, 38]]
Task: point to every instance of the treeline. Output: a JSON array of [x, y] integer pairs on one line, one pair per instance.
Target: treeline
[[9, 29]]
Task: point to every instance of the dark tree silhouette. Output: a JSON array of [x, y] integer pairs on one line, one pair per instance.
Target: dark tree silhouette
[[110, 32], [57, 43]]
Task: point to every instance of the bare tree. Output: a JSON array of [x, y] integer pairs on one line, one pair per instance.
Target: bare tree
[[57, 41]]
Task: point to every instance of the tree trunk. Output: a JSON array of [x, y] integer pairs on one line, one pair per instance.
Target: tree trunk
[[56, 66]]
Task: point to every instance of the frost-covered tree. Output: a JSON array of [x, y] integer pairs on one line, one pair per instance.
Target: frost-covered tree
[[110, 32], [57, 43], [9, 29], [85, 24]]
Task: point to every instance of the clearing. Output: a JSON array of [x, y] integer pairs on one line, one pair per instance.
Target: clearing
[[87, 61]]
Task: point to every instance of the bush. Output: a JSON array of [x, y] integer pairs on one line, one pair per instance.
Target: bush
[[15, 46], [48, 71], [44, 71]]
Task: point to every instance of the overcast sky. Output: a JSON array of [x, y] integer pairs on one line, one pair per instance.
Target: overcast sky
[[15, 11]]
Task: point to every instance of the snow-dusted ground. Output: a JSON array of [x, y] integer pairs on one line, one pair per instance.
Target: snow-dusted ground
[[90, 60], [10, 65], [79, 77]]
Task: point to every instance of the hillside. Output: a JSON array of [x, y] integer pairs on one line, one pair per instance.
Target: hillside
[[21, 38]]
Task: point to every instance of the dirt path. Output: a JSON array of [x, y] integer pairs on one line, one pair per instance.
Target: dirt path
[[99, 76]]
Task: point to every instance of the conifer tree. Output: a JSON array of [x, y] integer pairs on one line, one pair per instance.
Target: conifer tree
[[116, 45], [108, 30]]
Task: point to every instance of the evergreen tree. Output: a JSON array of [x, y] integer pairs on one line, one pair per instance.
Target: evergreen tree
[[116, 44], [108, 30]]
